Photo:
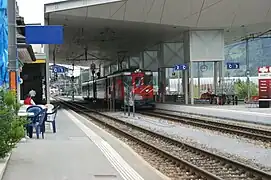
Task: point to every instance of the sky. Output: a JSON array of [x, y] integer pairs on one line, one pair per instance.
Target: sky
[[32, 10]]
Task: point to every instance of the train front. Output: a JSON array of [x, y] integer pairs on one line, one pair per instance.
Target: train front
[[143, 89]]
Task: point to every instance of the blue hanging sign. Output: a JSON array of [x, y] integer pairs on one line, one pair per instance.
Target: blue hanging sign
[[58, 69], [233, 65], [180, 67], [44, 34]]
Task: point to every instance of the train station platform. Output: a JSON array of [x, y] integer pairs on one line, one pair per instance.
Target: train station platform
[[230, 112], [79, 150]]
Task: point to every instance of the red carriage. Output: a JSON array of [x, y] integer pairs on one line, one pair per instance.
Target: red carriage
[[123, 86]]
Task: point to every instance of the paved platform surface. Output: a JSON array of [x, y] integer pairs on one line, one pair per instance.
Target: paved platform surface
[[74, 152], [239, 113]]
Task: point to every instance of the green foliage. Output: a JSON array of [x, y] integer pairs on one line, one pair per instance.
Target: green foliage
[[11, 126], [241, 89]]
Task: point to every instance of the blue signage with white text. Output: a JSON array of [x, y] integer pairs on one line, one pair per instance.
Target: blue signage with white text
[[233, 65], [180, 67], [58, 69], [44, 34]]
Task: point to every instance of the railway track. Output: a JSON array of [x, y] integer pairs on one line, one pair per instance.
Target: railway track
[[182, 160], [263, 135]]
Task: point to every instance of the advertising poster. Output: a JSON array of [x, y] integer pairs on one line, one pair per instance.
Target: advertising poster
[[264, 78]]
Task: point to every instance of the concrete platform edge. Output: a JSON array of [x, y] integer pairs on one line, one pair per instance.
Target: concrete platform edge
[[221, 117], [3, 165], [225, 114], [125, 146]]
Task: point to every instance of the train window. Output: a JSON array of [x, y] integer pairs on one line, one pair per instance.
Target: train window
[[148, 80], [138, 81], [127, 80]]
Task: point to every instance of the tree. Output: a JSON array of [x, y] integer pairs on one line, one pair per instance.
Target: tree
[[241, 89], [11, 125]]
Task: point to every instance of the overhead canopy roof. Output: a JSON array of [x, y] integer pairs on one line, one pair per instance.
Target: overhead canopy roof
[[107, 27], [25, 51]]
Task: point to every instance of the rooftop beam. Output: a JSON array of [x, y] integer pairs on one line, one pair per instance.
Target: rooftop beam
[[74, 4]]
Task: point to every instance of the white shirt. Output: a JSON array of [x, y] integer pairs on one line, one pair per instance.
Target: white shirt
[[32, 102]]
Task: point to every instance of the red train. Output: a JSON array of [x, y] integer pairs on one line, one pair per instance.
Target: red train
[[120, 86]]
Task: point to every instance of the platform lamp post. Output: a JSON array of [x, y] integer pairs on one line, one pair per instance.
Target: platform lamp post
[[247, 68], [73, 81], [12, 49], [247, 61]]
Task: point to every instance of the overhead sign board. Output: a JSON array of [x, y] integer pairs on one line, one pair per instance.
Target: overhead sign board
[[58, 69], [264, 77], [44, 34], [180, 67], [233, 65]]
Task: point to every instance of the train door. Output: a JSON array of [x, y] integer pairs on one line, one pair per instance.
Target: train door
[[127, 89], [111, 92]]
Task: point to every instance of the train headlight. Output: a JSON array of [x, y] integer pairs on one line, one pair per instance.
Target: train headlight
[[147, 90]]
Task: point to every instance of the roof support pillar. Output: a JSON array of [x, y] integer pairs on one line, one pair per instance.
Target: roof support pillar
[[122, 60], [12, 48], [141, 60], [151, 60], [102, 70], [161, 74], [200, 47], [128, 62]]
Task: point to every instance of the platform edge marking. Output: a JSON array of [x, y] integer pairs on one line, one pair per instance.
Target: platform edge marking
[[117, 165], [126, 147], [98, 142], [130, 169], [4, 166]]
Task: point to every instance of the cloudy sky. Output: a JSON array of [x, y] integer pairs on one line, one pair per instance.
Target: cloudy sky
[[32, 10]]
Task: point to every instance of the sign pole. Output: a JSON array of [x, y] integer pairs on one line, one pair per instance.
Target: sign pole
[[124, 107], [73, 81], [178, 89], [128, 101], [133, 100], [247, 68]]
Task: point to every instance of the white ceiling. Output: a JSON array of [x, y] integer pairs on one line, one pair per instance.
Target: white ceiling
[[136, 24]]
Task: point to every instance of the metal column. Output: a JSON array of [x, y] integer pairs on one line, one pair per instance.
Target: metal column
[[198, 79], [247, 68], [128, 62], [161, 74], [47, 67], [118, 65], [186, 73], [183, 82], [102, 70], [73, 81], [12, 41], [186, 82], [220, 73], [191, 83], [215, 77], [109, 69], [141, 60], [178, 83]]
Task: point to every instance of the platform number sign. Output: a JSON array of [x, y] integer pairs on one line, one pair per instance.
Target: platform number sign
[[180, 67], [58, 69], [233, 66]]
